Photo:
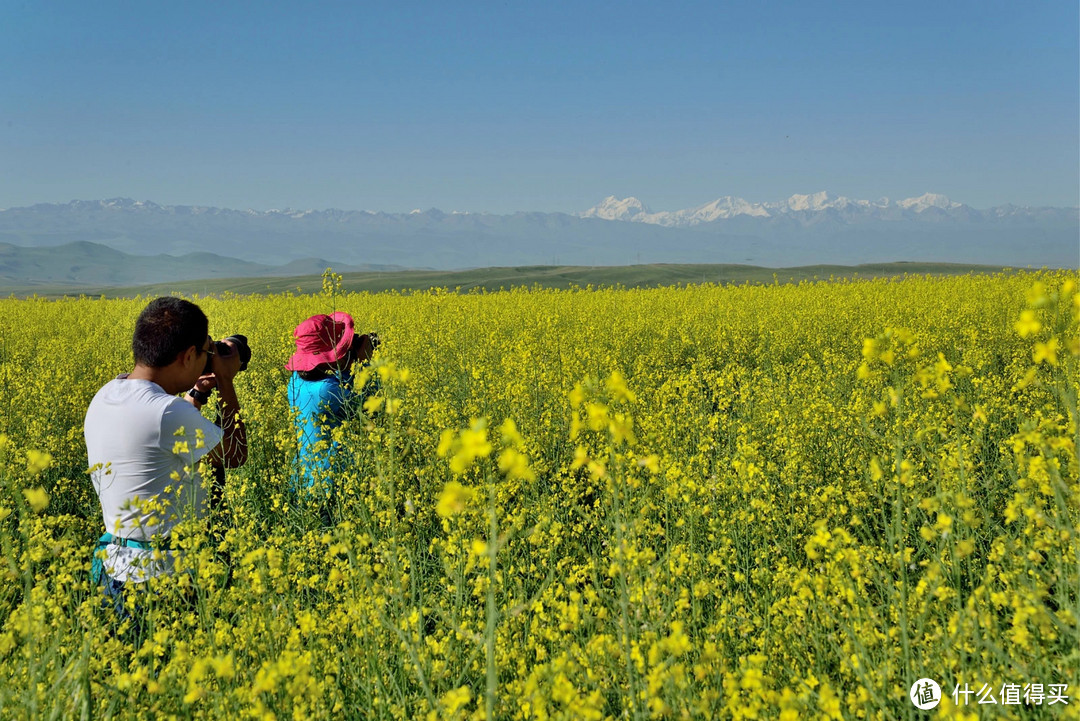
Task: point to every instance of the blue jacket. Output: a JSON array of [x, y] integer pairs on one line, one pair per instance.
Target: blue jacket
[[320, 407]]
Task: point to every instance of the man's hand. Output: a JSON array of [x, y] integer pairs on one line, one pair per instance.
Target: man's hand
[[226, 365], [206, 383]]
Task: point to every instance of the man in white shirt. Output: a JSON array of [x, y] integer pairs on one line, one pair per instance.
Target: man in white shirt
[[144, 442]]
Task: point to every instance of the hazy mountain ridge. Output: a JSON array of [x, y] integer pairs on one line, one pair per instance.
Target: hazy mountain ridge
[[802, 230], [83, 262]]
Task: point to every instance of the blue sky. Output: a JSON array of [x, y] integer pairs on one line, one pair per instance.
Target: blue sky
[[547, 106]]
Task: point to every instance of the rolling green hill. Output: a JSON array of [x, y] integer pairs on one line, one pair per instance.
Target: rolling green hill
[[490, 279]]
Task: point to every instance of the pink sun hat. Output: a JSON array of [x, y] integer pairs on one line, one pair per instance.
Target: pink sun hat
[[321, 339]]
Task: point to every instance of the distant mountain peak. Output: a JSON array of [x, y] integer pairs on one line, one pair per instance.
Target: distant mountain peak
[[812, 201], [928, 200], [611, 208]]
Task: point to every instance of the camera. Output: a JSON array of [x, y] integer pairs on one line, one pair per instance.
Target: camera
[[223, 348], [357, 351]]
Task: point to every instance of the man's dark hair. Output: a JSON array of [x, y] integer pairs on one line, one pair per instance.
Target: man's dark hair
[[166, 328]]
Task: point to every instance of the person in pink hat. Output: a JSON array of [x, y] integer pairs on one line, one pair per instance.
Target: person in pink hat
[[320, 390]]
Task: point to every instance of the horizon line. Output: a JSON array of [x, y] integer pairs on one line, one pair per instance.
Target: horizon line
[[415, 211]]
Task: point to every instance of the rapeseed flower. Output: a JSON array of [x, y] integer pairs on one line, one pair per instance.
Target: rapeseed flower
[[798, 497], [37, 498]]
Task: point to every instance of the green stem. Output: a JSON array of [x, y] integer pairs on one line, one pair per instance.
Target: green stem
[[492, 611]]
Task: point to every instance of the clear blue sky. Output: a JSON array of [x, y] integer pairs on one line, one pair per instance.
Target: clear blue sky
[[505, 106]]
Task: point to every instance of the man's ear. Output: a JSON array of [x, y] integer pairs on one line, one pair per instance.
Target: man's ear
[[187, 357]]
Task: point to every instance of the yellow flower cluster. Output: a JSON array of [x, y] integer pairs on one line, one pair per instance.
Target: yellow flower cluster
[[694, 502]]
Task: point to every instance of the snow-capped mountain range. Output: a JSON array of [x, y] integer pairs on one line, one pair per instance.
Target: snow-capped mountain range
[[634, 211], [818, 228]]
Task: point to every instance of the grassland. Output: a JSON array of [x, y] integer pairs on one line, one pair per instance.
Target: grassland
[[545, 276]]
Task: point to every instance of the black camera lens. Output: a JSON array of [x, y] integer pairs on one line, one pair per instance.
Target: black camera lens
[[243, 348], [220, 347]]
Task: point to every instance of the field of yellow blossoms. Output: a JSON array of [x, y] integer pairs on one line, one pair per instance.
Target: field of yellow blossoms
[[783, 501]]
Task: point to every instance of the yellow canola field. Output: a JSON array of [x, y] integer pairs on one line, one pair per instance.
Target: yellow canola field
[[733, 502]]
